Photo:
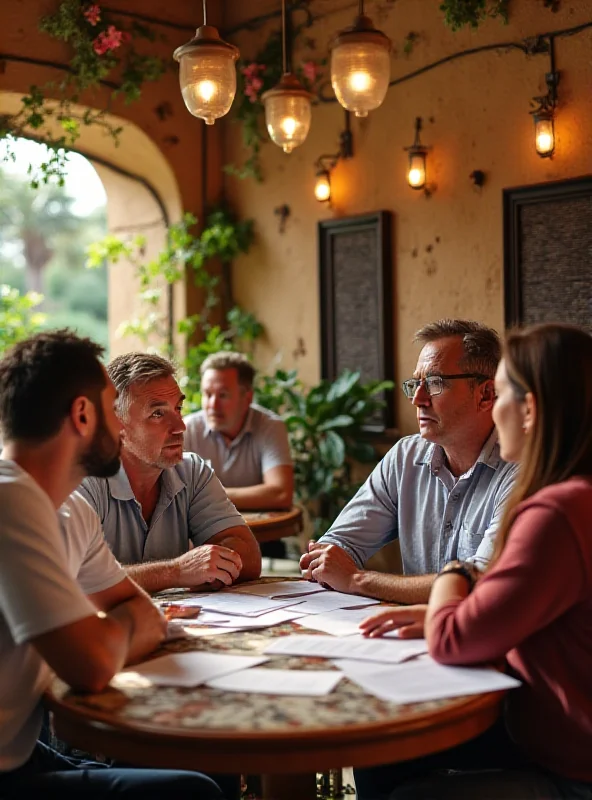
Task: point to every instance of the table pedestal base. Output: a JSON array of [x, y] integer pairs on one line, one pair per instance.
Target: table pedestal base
[[302, 786]]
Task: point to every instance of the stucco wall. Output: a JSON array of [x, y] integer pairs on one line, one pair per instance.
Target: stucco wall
[[448, 248]]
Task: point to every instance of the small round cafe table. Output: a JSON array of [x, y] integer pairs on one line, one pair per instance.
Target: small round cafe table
[[285, 739]]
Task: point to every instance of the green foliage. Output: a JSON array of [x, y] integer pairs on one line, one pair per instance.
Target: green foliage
[[458, 13], [18, 317], [325, 427], [98, 49]]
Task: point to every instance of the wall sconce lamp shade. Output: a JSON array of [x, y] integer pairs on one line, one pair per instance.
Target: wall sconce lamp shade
[[360, 66], [207, 74], [544, 133], [322, 189], [416, 169], [288, 112]]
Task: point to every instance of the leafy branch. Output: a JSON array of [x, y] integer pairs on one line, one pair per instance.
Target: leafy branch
[[458, 13]]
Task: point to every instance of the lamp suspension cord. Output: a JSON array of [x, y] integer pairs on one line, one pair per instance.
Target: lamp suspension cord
[[360, 8], [284, 57], [204, 13]]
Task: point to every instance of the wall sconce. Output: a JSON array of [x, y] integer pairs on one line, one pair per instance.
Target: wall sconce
[[360, 65], [543, 113], [207, 73], [544, 117], [287, 106], [324, 164], [416, 170]]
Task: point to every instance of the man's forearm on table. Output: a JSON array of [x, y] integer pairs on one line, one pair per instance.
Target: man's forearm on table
[[394, 588], [250, 556], [154, 576]]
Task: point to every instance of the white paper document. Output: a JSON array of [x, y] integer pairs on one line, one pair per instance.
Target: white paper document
[[237, 622], [310, 683], [191, 669], [391, 651], [329, 601], [241, 604], [279, 589], [341, 622], [423, 679]]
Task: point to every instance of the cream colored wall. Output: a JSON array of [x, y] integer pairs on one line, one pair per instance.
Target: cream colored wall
[[448, 249]]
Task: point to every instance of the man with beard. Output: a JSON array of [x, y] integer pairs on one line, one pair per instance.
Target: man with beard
[[165, 515], [65, 603]]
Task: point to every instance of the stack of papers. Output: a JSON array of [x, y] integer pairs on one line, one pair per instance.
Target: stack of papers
[[279, 589], [190, 669], [330, 601], [391, 651], [308, 683], [423, 679]]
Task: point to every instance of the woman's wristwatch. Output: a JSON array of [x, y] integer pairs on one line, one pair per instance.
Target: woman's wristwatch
[[468, 571]]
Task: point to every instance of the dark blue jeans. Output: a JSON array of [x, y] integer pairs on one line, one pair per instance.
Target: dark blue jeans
[[49, 774]]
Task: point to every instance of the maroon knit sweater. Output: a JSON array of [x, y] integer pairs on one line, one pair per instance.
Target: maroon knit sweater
[[535, 607]]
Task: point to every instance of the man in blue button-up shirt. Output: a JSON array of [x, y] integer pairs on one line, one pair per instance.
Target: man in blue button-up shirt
[[165, 514], [441, 492]]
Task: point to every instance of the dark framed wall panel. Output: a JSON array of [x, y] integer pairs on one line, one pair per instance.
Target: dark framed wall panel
[[355, 272], [548, 253]]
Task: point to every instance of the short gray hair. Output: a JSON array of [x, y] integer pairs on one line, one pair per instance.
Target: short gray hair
[[132, 368], [481, 344], [228, 359]]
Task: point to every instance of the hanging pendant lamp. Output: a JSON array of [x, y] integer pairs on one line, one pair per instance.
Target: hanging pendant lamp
[[287, 105], [207, 73], [360, 65]]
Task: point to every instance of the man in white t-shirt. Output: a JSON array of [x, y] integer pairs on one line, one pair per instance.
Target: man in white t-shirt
[[65, 604]]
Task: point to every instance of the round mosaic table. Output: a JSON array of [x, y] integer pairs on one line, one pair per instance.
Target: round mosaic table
[[268, 526], [286, 739]]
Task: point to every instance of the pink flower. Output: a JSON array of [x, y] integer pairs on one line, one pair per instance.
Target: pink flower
[[257, 84], [251, 70], [110, 39], [310, 71], [92, 14]]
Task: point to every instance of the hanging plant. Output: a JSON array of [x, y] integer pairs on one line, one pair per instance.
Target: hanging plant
[[255, 77], [101, 51], [458, 13]]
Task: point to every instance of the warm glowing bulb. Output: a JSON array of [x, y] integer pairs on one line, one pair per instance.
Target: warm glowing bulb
[[544, 135], [360, 81], [415, 177], [322, 188], [288, 125], [206, 90], [544, 142]]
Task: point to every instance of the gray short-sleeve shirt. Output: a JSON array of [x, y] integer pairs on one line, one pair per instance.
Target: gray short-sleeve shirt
[[261, 445], [192, 506], [411, 495]]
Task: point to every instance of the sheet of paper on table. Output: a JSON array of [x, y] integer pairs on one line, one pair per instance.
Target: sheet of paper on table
[[391, 651], [423, 679], [279, 589], [237, 622], [329, 601], [241, 604], [341, 622], [310, 682], [191, 669]]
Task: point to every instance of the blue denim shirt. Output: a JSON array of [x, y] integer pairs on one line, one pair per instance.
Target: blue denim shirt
[[192, 506], [411, 495]]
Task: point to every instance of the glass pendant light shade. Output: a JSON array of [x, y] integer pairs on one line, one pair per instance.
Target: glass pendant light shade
[[360, 67], [287, 112], [207, 74], [544, 134], [416, 173]]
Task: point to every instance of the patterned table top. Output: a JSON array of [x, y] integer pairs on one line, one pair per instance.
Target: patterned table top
[[204, 708]]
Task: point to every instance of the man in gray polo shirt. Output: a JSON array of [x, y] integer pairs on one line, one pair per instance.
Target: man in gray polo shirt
[[165, 515], [440, 492], [247, 445]]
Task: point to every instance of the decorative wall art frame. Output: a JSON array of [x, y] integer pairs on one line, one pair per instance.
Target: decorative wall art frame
[[548, 253], [356, 293]]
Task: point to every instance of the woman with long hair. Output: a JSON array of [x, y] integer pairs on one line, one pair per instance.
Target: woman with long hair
[[534, 604]]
